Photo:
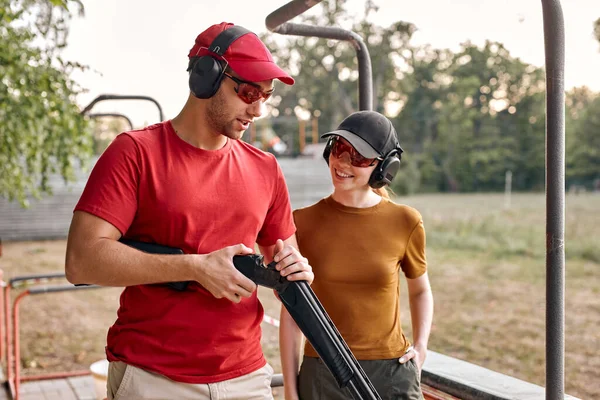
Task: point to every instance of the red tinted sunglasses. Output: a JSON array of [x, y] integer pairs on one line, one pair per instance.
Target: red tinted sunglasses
[[341, 146], [249, 92]]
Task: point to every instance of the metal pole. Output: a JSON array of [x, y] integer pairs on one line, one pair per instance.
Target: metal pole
[[115, 115], [554, 39], [104, 97], [277, 22]]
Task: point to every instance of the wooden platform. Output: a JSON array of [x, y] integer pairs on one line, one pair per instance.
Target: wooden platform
[[76, 388]]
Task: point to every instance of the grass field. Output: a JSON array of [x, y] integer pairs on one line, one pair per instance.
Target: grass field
[[487, 270]]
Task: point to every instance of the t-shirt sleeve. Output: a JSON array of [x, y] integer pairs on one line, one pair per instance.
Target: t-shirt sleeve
[[295, 219], [111, 190], [414, 263], [278, 223]]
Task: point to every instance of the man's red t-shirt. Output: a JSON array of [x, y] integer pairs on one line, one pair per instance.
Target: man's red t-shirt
[[154, 187]]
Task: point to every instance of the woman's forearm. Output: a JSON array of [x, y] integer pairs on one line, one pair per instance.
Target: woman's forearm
[[421, 312], [290, 347]]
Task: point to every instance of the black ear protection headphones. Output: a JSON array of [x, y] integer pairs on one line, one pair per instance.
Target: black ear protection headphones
[[384, 172], [206, 72]]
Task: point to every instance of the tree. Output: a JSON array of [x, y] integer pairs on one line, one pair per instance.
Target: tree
[[105, 129], [597, 29], [583, 139], [492, 120], [326, 71], [425, 86], [41, 128]]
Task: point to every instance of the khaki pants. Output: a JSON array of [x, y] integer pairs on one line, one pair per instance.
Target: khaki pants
[[126, 382]]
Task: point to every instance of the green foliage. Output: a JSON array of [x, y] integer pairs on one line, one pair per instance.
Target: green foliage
[[583, 148], [597, 29], [408, 179], [472, 116], [105, 130], [482, 223], [41, 129]]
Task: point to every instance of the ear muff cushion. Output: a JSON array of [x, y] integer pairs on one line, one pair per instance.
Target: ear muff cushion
[[385, 172], [205, 77]]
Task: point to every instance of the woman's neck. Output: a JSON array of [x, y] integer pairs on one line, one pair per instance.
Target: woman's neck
[[356, 198]]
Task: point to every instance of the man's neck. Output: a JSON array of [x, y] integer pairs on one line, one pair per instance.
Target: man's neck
[[192, 128]]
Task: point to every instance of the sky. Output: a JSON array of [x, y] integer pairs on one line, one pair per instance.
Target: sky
[[140, 47]]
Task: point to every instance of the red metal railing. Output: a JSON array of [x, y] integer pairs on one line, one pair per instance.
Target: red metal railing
[[10, 349]]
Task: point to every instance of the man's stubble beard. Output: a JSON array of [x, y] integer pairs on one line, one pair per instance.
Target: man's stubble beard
[[218, 119]]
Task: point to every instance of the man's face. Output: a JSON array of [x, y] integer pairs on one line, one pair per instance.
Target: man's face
[[228, 114]]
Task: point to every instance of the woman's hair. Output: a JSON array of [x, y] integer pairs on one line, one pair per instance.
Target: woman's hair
[[383, 192]]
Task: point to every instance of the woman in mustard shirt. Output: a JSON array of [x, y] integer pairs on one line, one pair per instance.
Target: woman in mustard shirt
[[359, 243]]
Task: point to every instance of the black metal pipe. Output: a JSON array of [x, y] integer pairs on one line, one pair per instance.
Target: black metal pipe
[[277, 22], [60, 288], [36, 277], [287, 12], [116, 115], [554, 39], [104, 97]]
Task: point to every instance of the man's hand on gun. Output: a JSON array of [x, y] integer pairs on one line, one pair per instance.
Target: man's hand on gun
[[291, 264], [219, 276]]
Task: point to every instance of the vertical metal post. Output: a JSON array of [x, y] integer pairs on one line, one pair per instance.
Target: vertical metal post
[[554, 39], [302, 135]]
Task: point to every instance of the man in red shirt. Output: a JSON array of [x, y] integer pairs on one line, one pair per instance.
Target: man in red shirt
[[190, 183]]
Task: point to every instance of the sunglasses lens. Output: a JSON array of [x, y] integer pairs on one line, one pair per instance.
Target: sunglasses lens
[[248, 93], [251, 94], [341, 146]]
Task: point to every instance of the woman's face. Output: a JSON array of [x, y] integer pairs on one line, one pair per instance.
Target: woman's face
[[344, 175]]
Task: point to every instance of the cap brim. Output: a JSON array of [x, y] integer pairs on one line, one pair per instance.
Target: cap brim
[[356, 141], [258, 71]]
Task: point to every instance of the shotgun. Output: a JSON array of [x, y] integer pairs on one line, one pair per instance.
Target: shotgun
[[306, 310]]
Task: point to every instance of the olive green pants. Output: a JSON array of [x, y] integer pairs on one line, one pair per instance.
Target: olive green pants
[[391, 379]]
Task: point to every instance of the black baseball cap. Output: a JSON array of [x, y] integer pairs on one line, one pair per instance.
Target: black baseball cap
[[369, 132]]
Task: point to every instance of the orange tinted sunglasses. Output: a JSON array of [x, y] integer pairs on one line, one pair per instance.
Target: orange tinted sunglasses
[[341, 146], [249, 92]]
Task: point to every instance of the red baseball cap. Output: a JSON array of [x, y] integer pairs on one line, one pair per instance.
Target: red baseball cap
[[247, 56]]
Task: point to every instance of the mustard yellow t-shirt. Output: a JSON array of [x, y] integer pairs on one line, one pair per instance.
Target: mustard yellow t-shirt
[[357, 255]]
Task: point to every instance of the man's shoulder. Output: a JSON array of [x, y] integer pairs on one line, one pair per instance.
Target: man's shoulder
[[149, 132], [249, 149], [255, 156]]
